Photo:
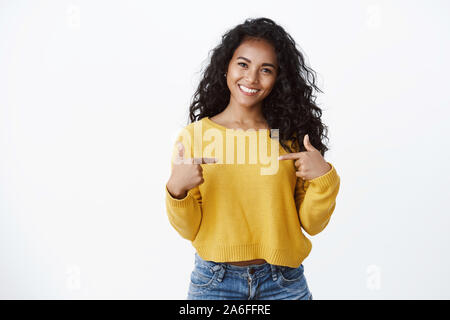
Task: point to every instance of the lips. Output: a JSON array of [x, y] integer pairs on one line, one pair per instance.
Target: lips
[[248, 93], [248, 87]]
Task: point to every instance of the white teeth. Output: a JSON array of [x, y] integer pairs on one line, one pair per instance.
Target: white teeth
[[247, 89]]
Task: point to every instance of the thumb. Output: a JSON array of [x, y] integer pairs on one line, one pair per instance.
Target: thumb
[[180, 147], [307, 143]]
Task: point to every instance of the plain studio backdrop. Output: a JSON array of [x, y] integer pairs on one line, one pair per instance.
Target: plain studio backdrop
[[93, 93]]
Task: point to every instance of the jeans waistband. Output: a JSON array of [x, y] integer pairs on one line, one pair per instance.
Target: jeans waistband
[[253, 270]]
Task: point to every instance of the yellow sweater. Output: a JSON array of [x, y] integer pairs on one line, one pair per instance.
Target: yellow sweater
[[247, 209]]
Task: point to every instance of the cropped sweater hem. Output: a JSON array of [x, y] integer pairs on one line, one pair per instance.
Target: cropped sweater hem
[[244, 252]]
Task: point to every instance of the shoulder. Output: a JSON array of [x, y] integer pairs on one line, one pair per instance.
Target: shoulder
[[191, 131], [191, 126]]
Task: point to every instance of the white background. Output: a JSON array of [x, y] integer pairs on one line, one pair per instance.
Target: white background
[[92, 94]]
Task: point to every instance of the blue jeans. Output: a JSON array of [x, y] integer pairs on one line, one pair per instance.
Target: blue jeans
[[223, 281]]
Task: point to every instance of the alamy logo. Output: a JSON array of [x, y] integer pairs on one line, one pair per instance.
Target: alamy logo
[[213, 143]]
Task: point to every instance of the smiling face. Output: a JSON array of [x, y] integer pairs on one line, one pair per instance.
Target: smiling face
[[254, 66]]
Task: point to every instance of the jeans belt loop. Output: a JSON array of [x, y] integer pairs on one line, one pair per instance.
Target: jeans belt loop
[[274, 272], [219, 268]]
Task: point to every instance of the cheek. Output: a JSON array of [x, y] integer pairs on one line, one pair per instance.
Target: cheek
[[271, 82], [269, 86], [234, 75]]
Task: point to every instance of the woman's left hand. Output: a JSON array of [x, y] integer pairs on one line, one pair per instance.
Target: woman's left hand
[[309, 164]]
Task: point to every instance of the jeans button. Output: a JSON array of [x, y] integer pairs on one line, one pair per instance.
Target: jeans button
[[251, 271]]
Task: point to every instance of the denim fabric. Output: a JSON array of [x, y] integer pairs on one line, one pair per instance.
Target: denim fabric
[[223, 281]]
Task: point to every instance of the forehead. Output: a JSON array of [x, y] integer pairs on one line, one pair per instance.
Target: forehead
[[257, 50]]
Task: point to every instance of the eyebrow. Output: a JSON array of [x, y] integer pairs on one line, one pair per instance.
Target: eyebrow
[[264, 64]]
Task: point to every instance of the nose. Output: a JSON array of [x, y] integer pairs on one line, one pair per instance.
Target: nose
[[251, 76]]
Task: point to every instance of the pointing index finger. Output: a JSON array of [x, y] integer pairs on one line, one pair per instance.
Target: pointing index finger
[[204, 160], [290, 156]]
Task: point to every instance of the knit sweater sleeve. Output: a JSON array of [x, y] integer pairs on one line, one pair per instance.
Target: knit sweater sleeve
[[316, 200], [184, 214]]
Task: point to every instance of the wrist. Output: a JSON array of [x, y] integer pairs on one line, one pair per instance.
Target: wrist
[[175, 192]]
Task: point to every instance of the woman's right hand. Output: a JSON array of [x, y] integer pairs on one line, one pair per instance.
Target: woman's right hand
[[186, 173]]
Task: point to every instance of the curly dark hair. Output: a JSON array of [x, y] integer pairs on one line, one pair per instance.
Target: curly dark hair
[[290, 106]]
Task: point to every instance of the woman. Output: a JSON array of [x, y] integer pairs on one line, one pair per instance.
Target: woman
[[246, 225]]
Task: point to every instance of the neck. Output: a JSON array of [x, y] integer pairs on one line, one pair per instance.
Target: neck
[[243, 115]]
